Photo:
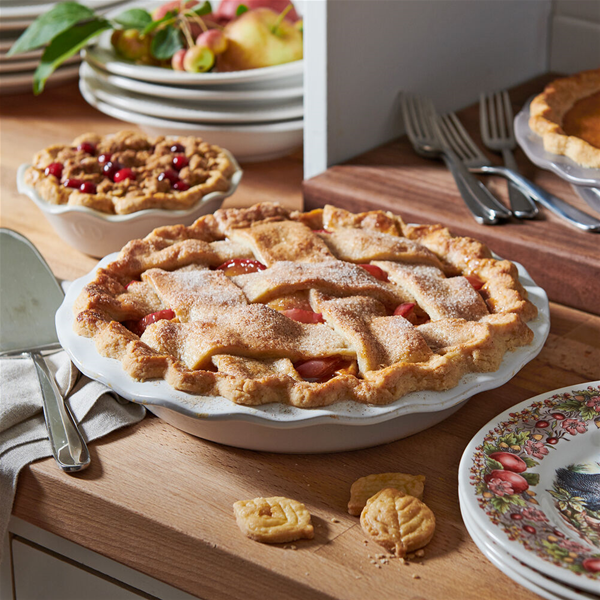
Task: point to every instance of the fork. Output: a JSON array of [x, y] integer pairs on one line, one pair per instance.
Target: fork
[[419, 121], [477, 162], [495, 122]]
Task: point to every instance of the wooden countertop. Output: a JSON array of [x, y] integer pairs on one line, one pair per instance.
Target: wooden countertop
[[160, 501]]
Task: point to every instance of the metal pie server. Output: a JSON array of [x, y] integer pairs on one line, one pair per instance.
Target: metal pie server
[[29, 298]]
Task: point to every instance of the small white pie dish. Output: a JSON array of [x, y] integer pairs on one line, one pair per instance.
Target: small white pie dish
[[288, 429], [97, 234]]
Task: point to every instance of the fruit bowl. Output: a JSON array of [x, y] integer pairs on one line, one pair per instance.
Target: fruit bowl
[[97, 234], [288, 429]]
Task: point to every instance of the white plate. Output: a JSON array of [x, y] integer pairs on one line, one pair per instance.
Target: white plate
[[529, 578], [281, 428], [552, 435], [564, 167], [14, 83], [196, 112], [236, 93], [102, 54], [248, 143]]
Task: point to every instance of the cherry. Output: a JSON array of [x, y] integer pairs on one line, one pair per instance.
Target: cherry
[[170, 175], [87, 187], [558, 416], [303, 316], [181, 186], [542, 424], [104, 158], [552, 440], [123, 174], [55, 169], [110, 169], [72, 183], [241, 266], [375, 272], [179, 162], [529, 529], [404, 309], [474, 281], [177, 147], [87, 147]]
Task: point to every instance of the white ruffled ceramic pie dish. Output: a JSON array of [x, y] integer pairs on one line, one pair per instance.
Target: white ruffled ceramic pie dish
[[281, 428], [97, 234]]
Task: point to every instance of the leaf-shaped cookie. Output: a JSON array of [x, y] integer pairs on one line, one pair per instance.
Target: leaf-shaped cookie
[[398, 522], [273, 520], [365, 487]]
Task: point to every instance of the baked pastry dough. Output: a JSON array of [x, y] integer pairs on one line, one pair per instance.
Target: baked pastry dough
[[567, 116], [273, 520], [200, 169], [264, 305], [398, 522], [366, 487]]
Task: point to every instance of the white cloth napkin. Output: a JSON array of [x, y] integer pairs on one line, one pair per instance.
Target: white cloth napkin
[[23, 434]]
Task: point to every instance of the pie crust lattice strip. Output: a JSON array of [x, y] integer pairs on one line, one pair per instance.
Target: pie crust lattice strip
[[265, 305]]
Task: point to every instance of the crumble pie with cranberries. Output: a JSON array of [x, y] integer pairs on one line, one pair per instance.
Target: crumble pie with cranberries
[[129, 171]]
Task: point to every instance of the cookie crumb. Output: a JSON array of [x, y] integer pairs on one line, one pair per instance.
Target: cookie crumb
[[334, 520], [415, 576], [290, 547], [420, 553]]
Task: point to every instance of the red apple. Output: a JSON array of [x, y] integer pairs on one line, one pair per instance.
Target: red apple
[[509, 461], [228, 8], [177, 60], [173, 6], [214, 39], [257, 39]]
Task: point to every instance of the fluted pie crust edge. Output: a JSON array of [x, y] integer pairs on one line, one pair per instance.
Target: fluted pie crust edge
[[460, 345]]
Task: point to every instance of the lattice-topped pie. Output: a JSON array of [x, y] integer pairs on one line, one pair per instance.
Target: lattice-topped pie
[[567, 116], [264, 305], [129, 171]]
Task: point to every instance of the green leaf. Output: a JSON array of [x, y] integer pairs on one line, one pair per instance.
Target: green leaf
[[240, 10], [203, 9], [166, 42], [531, 478], [494, 464], [134, 18], [50, 24], [530, 462], [63, 47], [166, 20]]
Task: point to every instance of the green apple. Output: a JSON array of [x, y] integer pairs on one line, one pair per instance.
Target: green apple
[[198, 59], [260, 38]]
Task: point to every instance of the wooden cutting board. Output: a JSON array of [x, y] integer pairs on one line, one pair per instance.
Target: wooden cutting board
[[562, 259]]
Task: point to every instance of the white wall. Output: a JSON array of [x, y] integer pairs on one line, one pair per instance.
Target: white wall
[[449, 50]]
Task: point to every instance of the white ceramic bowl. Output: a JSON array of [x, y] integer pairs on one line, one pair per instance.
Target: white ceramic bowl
[[249, 143], [281, 428], [97, 234]]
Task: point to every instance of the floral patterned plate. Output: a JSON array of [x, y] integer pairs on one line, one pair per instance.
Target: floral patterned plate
[[530, 479], [533, 580]]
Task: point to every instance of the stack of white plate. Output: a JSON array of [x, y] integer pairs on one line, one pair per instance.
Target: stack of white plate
[[585, 181], [529, 491], [16, 72], [256, 114]]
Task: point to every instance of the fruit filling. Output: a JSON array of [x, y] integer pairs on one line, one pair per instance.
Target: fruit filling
[[376, 272], [138, 327], [474, 281], [241, 266], [319, 370], [303, 316]]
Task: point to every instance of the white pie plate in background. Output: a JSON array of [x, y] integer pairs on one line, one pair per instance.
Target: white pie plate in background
[[288, 429], [97, 234], [237, 94], [248, 143], [533, 146], [194, 112]]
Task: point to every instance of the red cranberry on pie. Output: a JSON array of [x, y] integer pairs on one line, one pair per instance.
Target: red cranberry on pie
[[73, 183], [55, 169], [110, 169], [181, 186], [170, 175], [87, 147], [123, 174], [179, 162], [87, 187], [104, 158], [177, 148]]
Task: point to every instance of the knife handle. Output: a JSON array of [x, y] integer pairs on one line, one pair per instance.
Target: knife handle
[[68, 447]]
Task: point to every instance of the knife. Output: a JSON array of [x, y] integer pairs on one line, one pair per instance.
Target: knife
[[27, 308]]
